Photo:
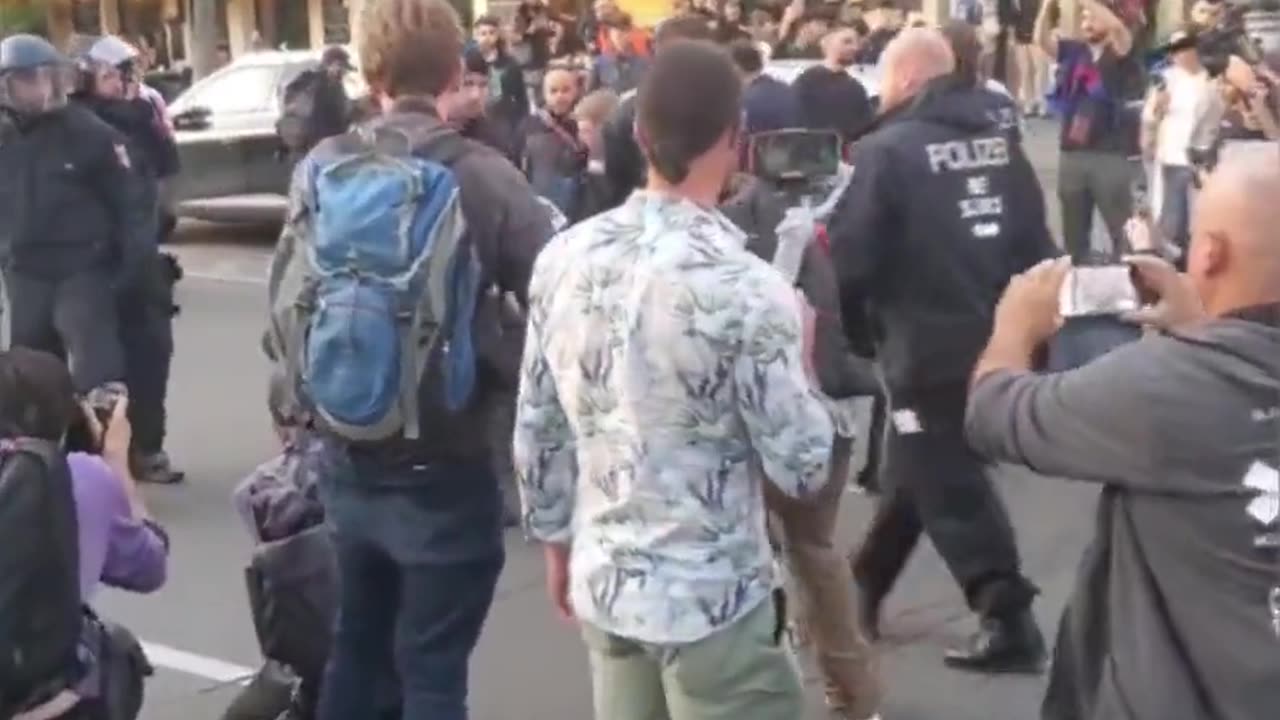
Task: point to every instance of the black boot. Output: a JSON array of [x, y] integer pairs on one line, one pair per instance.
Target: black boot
[[156, 469], [1011, 644]]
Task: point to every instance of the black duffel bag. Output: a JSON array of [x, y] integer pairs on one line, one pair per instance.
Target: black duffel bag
[[293, 597]]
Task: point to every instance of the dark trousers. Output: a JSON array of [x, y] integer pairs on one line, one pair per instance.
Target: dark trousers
[[934, 483], [419, 554], [1089, 181], [73, 318], [869, 476], [146, 335]]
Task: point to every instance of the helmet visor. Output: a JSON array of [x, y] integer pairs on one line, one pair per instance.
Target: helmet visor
[[34, 91]]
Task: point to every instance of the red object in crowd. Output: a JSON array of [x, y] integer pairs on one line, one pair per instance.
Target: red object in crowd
[[638, 39], [824, 240]]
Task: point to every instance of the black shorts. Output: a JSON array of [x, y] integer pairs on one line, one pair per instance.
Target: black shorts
[[1024, 23]]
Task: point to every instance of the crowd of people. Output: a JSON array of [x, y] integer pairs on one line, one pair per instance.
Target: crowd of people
[[670, 434]]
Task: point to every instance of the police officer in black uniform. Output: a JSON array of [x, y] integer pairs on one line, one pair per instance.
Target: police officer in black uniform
[[942, 210], [73, 226], [110, 88]]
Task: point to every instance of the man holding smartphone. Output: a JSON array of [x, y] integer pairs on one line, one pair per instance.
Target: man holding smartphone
[[1176, 610]]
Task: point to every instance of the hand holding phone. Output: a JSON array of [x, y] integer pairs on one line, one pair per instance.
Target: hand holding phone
[[1097, 290], [1173, 301]]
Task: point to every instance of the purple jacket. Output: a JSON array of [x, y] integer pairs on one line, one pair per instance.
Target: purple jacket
[[115, 548]]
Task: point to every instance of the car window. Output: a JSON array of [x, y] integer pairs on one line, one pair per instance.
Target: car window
[[238, 90]]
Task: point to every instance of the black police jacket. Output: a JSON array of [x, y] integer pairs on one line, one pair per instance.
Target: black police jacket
[[942, 210], [153, 153], [69, 198]]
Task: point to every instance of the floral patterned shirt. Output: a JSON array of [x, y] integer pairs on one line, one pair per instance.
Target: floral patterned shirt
[[662, 375]]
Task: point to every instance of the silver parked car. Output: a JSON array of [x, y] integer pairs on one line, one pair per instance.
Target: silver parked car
[[225, 126]]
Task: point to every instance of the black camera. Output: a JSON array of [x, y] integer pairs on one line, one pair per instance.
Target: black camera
[[1230, 36], [795, 156]]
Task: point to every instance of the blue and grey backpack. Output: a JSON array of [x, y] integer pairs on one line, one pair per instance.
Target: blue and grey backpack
[[387, 281]]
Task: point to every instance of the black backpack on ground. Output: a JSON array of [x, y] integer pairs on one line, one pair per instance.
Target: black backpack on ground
[[40, 610], [296, 126]]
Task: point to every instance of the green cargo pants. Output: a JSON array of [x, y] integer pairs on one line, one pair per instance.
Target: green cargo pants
[[741, 672]]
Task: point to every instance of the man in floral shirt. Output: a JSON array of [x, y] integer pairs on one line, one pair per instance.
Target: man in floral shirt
[[664, 368]]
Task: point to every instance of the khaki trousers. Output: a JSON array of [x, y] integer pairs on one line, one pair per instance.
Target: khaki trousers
[[740, 672], [823, 589]]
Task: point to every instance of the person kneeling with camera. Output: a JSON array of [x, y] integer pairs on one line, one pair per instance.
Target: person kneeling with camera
[[71, 520], [1176, 611]]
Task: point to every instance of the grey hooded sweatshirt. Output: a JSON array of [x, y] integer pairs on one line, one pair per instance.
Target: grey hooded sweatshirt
[[1174, 614]]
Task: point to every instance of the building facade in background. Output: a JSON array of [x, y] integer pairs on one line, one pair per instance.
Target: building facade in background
[[245, 25]]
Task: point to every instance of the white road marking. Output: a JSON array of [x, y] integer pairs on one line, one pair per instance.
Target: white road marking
[[219, 671], [226, 277]]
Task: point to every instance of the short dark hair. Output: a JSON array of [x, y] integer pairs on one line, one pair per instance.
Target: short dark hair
[[37, 397], [746, 56], [967, 49], [689, 99], [487, 20], [683, 27]]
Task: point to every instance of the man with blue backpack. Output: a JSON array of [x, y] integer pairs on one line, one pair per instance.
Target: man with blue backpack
[[383, 328]]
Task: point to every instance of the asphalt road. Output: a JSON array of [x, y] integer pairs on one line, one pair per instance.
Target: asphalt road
[[529, 666]]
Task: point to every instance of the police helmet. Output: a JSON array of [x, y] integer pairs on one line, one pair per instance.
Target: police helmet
[[33, 75], [98, 55], [112, 51], [28, 52]]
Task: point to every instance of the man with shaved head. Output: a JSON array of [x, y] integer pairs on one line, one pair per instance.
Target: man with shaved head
[[942, 210], [1176, 612]]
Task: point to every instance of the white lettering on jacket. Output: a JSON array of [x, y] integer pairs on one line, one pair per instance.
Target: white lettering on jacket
[[966, 155]]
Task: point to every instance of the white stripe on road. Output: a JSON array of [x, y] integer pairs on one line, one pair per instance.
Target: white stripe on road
[[226, 277], [219, 671]]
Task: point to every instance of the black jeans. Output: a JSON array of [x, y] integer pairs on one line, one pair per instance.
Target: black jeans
[[935, 483], [1089, 180], [75, 318]]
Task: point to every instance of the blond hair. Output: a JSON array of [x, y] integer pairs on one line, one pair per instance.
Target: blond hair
[[410, 47]]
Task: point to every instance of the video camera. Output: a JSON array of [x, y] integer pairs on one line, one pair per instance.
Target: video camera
[[800, 163], [1230, 36]]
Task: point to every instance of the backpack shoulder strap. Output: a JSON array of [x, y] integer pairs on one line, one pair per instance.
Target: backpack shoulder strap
[[444, 145], [47, 451]]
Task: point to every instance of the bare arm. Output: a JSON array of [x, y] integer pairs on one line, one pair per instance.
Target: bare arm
[[1118, 36], [1046, 36], [1153, 111], [1263, 111]]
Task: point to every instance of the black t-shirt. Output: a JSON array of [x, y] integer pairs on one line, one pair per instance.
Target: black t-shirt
[[1091, 95], [832, 100]]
